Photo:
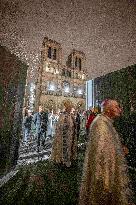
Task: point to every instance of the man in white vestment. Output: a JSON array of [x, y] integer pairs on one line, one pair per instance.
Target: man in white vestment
[[105, 180]]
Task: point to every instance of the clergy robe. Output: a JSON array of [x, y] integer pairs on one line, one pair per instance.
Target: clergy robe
[[64, 148], [105, 180]]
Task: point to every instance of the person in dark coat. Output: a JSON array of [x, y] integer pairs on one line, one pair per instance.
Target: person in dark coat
[[40, 120], [27, 126]]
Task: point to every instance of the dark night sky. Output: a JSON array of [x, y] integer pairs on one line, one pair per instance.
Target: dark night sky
[[105, 30]]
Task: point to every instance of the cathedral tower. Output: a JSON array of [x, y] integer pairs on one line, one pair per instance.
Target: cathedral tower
[[58, 83]]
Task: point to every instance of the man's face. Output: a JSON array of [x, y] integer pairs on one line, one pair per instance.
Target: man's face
[[72, 110], [29, 113], [115, 109]]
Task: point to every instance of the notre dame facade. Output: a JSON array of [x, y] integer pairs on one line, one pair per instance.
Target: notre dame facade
[[58, 83]]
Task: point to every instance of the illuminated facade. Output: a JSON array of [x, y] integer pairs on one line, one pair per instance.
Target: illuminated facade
[[58, 83]]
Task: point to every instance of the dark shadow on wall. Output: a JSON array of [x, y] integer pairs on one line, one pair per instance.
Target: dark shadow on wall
[[13, 74], [119, 85]]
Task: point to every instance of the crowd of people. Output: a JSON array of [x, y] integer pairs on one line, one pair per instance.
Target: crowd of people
[[44, 122], [105, 173]]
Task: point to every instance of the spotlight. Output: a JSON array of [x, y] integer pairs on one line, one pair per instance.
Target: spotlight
[[66, 90], [80, 92], [52, 87]]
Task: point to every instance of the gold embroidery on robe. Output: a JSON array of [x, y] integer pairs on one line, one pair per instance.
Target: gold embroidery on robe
[[104, 180], [64, 148]]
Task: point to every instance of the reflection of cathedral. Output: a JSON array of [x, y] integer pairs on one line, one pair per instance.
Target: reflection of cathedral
[[58, 83]]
